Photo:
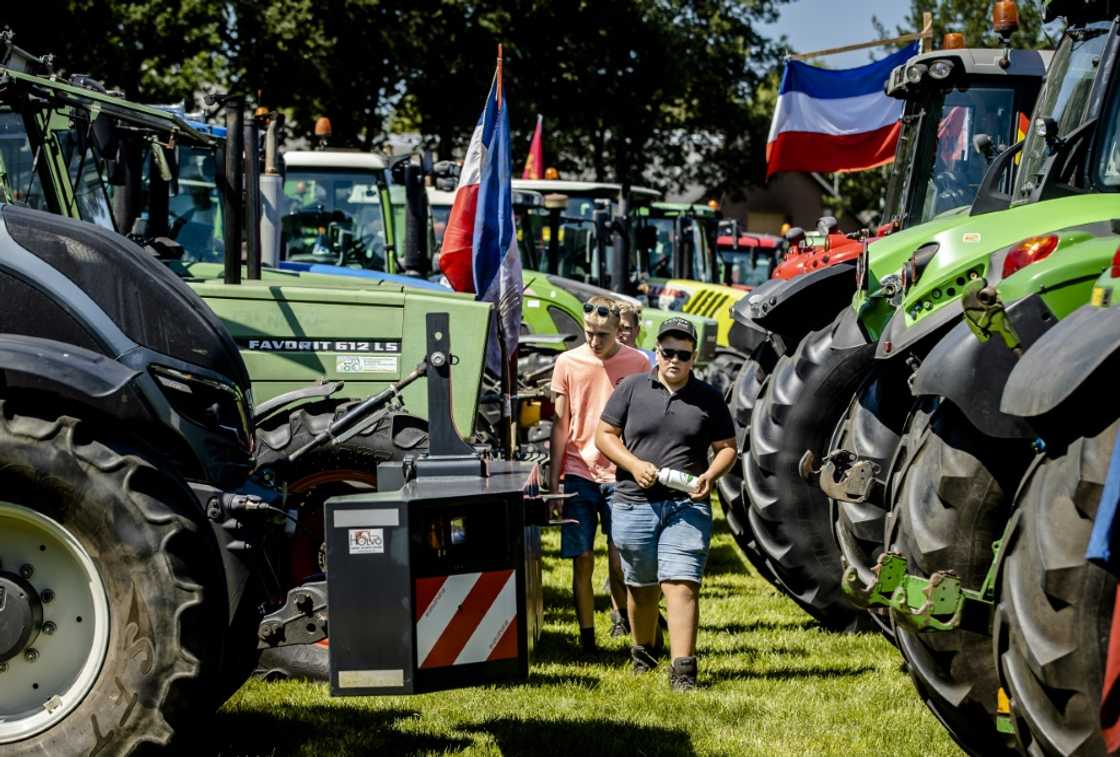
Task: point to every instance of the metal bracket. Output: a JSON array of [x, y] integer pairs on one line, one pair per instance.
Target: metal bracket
[[936, 603], [985, 314], [302, 619], [843, 475]]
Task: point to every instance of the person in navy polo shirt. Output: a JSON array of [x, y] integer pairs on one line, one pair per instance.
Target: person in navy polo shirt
[[666, 419]]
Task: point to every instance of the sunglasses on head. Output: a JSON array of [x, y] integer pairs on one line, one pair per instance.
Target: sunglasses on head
[[683, 355], [602, 310]]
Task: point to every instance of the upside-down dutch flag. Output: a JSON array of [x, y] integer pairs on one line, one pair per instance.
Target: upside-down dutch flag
[[835, 120], [479, 252]]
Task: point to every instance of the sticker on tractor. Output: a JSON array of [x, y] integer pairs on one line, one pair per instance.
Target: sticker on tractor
[[320, 345], [367, 541], [531, 303], [971, 237], [466, 618], [366, 364]]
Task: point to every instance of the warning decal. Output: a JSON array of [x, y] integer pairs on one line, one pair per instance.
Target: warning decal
[[466, 618]]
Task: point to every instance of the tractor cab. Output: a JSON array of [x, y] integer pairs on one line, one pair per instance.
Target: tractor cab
[[747, 258]]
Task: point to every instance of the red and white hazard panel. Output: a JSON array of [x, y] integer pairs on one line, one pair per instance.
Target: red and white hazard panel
[[466, 618]]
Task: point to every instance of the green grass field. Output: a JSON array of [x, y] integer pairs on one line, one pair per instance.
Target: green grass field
[[772, 683]]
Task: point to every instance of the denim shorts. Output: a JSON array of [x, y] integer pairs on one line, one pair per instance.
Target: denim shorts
[[666, 540], [589, 506]]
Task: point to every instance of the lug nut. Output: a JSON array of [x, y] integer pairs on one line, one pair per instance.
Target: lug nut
[[3, 667], [49, 627], [47, 596], [269, 631], [27, 571], [31, 655]]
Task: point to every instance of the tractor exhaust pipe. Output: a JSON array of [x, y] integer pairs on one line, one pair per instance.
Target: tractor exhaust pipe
[[272, 188], [252, 201], [232, 186]]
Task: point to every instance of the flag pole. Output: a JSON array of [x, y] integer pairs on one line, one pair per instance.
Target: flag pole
[[509, 362], [925, 35], [499, 76]]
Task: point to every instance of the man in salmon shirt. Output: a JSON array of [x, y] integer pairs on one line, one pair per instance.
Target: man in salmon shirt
[[582, 381]]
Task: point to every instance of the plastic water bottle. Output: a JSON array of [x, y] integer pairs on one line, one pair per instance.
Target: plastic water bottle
[[677, 479]]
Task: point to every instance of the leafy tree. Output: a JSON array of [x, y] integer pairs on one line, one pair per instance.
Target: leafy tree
[[152, 50], [974, 20]]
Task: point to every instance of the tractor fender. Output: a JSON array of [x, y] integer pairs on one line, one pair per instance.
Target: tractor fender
[[849, 333], [972, 374], [806, 302], [1061, 361], [71, 370], [898, 338]]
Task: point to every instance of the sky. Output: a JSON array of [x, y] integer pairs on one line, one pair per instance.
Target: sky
[[817, 24]]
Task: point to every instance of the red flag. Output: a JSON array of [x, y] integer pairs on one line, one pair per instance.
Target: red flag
[[534, 164]]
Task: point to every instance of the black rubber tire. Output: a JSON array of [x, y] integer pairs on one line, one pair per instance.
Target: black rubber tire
[[1055, 608], [723, 369], [393, 436], [871, 428], [803, 401], [742, 396], [158, 559], [951, 497]]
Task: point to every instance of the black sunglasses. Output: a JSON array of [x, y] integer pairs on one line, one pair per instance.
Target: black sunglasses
[[683, 355], [602, 310]]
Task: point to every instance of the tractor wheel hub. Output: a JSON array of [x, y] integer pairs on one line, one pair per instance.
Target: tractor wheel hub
[[21, 615]]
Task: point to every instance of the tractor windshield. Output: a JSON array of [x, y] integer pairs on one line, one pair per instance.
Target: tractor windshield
[[1064, 98], [333, 217], [948, 168]]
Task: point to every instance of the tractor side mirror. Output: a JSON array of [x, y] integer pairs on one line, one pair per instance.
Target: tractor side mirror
[[1047, 128], [984, 145]]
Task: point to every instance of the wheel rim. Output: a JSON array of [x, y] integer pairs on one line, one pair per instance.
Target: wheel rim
[[48, 676]]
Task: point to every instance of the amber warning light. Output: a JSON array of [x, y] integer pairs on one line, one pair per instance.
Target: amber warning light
[[953, 41], [1005, 18]]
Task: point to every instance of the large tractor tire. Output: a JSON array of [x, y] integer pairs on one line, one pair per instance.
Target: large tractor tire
[[742, 396], [330, 470], [1055, 609], [951, 499], [803, 401], [114, 581], [871, 428]]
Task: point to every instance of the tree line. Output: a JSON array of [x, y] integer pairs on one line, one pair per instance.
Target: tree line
[[629, 89]]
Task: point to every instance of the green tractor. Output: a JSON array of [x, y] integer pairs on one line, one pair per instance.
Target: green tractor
[[995, 483], [795, 341], [578, 236], [907, 300], [1046, 595], [316, 346]]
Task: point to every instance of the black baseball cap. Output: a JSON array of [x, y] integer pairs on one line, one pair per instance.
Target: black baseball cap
[[677, 327]]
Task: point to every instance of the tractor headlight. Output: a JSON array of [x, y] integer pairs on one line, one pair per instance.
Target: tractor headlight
[[915, 73], [212, 404], [941, 69]]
